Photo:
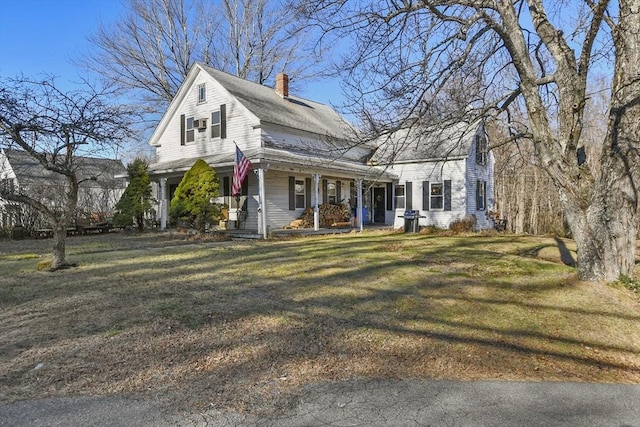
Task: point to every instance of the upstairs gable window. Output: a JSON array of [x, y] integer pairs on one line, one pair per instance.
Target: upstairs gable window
[[202, 93], [190, 134], [219, 122], [215, 124], [481, 149]]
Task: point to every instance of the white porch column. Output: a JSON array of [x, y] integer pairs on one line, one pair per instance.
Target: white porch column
[[163, 204], [262, 208], [359, 207], [316, 208]]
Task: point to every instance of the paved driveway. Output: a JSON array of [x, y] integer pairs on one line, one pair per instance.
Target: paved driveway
[[369, 403]]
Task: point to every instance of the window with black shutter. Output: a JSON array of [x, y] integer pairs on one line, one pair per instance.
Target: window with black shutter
[[481, 195], [399, 197]]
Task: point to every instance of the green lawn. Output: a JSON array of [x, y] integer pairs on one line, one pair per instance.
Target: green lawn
[[243, 324]]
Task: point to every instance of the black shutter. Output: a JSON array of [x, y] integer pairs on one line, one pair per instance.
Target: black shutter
[[478, 201], [292, 193], [307, 190], [352, 194], [182, 129], [389, 196], [408, 195], [223, 121], [447, 195], [245, 186], [325, 191], [425, 195], [338, 191], [226, 188], [484, 194]]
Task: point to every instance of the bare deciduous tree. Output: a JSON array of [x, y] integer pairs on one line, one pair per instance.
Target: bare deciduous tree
[[532, 55], [57, 129], [152, 47]]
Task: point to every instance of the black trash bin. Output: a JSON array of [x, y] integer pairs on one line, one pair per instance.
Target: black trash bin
[[411, 218], [18, 232]]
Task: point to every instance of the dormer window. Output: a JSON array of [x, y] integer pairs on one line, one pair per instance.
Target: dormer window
[[202, 93]]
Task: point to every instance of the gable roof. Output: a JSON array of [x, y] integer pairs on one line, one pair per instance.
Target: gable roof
[[292, 111], [421, 143], [29, 171]]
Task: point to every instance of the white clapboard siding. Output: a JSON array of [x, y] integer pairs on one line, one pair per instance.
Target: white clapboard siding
[[277, 198], [476, 172], [239, 121], [416, 173]]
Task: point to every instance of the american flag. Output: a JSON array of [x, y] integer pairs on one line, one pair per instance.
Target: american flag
[[240, 170]]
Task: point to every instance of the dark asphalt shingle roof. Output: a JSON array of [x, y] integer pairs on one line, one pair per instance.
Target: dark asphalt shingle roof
[[292, 112], [29, 171], [418, 143]]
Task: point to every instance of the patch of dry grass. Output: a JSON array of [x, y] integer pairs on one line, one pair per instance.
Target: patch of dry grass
[[243, 325]]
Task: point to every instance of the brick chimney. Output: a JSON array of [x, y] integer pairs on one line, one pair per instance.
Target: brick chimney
[[282, 85]]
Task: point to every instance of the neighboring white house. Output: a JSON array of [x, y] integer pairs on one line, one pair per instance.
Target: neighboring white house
[[303, 154], [22, 173]]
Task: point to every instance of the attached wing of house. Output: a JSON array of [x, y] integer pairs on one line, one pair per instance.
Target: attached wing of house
[[445, 172]]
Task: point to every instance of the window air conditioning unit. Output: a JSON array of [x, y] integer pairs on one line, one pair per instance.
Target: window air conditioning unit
[[200, 123]]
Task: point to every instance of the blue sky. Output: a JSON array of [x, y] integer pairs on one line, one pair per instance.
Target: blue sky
[[44, 36]]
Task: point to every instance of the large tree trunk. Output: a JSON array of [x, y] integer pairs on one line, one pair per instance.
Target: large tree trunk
[[606, 233]]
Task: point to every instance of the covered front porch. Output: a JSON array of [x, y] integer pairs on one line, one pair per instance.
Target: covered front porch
[[280, 186]]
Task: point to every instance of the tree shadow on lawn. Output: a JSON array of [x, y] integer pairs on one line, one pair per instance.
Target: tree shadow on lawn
[[199, 329], [548, 251]]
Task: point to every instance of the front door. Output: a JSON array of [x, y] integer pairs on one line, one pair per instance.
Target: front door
[[379, 205]]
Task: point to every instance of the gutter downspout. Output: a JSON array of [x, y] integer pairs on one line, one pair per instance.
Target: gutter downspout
[[316, 208]]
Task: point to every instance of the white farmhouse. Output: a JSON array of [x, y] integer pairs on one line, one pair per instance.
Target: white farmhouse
[[303, 154]]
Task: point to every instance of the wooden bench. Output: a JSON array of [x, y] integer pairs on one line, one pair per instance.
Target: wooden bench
[[85, 225], [337, 221]]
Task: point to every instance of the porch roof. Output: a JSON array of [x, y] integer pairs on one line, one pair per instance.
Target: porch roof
[[279, 159]]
